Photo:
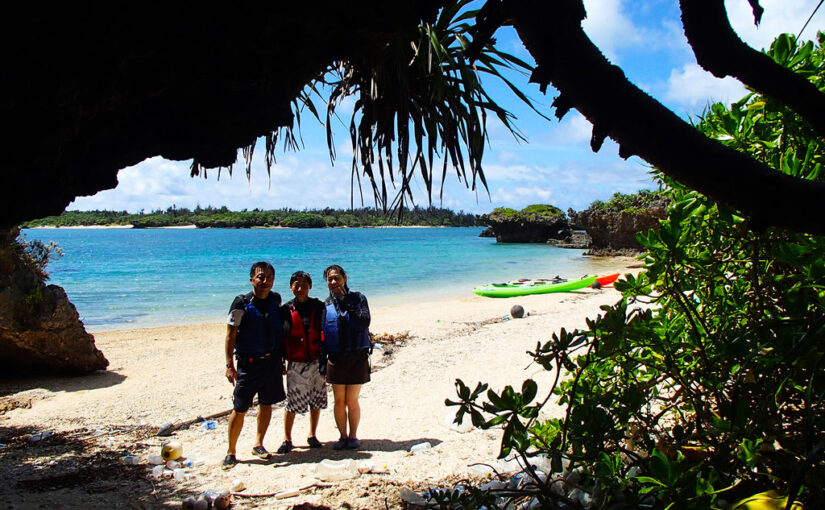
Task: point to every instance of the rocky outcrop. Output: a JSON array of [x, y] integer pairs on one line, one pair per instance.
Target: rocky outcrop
[[578, 240], [40, 330], [612, 231], [533, 224]]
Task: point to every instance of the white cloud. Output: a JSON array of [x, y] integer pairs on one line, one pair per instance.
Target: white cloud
[[573, 129], [691, 86], [157, 184], [571, 184], [517, 173], [508, 157], [299, 182], [609, 27], [779, 16]]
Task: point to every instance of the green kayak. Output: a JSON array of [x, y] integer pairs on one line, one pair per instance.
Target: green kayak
[[533, 287]]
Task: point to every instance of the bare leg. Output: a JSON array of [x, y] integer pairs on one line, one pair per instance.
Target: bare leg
[[234, 430], [289, 419], [264, 416], [353, 408], [339, 393], [314, 416]]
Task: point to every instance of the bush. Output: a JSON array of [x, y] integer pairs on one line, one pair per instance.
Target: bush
[[704, 384], [636, 202], [543, 209], [304, 220]]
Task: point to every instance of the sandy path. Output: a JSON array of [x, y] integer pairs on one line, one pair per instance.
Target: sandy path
[[167, 374]]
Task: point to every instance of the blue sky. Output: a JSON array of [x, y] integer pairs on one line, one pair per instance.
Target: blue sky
[[556, 166]]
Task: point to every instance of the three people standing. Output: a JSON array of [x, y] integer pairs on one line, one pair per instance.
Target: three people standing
[[321, 342]]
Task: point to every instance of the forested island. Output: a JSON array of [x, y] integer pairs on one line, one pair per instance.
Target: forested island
[[222, 217]]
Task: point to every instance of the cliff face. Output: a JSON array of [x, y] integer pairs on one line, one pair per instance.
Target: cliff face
[[613, 232], [533, 224], [40, 329]]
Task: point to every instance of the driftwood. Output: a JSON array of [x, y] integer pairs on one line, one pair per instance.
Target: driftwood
[[168, 428], [282, 494]]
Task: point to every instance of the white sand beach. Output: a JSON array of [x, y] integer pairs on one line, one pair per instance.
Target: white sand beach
[[172, 374]]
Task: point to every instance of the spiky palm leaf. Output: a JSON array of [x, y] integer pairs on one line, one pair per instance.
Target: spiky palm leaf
[[421, 101]]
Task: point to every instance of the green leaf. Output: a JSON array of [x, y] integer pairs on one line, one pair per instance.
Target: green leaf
[[660, 466], [649, 480], [528, 391]]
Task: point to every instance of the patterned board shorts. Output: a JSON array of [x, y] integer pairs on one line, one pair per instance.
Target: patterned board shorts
[[306, 388]]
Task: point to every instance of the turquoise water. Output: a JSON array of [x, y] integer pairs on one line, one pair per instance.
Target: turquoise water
[[124, 278]]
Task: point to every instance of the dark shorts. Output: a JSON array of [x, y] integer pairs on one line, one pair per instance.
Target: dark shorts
[[258, 376], [350, 368]]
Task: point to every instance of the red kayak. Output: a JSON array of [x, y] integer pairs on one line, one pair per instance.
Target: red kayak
[[608, 279]]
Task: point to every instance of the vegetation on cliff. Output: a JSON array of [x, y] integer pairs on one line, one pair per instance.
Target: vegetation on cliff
[[705, 384], [640, 201], [39, 327], [534, 224], [613, 225], [530, 212], [210, 217]]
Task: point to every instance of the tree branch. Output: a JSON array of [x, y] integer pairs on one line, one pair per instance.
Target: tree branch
[[568, 60], [720, 51]]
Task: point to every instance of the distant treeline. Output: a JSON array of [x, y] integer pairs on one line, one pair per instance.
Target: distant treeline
[[211, 217]]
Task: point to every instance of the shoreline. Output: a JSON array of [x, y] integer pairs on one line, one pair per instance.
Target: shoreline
[[192, 226], [414, 296], [175, 373]]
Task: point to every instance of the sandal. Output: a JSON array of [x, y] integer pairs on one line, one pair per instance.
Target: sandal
[[261, 453], [285, 447], [340, 444], [313, 442], [229, 462], [353, 444]]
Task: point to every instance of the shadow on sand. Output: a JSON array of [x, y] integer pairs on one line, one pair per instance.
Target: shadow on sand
[[96, 380], [302, 454]]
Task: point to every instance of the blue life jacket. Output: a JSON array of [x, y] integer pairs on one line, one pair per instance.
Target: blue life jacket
[[260, 333], [359, 339]]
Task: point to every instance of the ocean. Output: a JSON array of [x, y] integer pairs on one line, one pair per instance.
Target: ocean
[[132, 278]]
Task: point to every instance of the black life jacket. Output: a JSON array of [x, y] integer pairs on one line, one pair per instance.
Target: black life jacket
[[260, 333]]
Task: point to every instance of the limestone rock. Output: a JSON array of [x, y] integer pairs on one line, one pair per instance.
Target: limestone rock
[[40, 330], [533, 224], [578, 240], [612, 231]]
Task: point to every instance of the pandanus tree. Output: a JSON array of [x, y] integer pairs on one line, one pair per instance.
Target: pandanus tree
[[425, 97]]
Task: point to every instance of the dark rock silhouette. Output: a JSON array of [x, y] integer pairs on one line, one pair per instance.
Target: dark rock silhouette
[[91, 89]]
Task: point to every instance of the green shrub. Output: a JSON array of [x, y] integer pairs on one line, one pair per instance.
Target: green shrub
[[505, 211], [705, 383], [636, 202], [543, 209], [304, 220]]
